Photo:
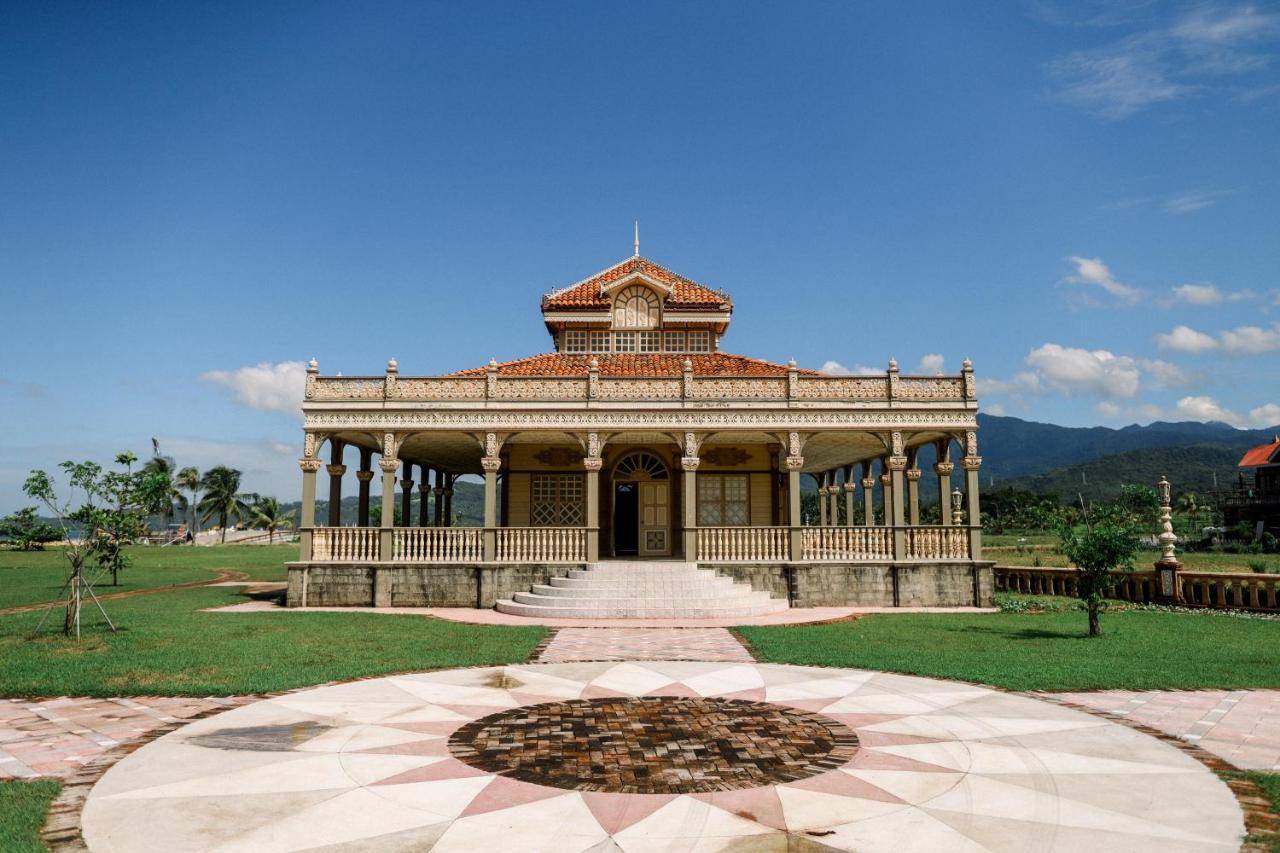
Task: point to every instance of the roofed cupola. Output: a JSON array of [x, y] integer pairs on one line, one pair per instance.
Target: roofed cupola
[[636, 306]]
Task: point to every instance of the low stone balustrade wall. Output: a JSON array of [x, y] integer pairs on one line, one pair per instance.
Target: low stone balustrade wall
[[734, 544], [438, 544], [846, 543], [937, 543], [344, 544], [1221, 590], [542, 544]]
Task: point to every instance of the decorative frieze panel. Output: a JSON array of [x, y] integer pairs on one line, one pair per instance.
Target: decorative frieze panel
[[462, 388], [728, 457], [348, 388], [930, 388], [658, 421], [841, 388], [540, 389], [739, 389], [639, 389]]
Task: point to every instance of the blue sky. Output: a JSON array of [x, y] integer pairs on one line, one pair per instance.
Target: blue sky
[[194, 199]]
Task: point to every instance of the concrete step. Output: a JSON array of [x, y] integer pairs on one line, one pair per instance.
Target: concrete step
[[637, 611], [715, 587], [737, 598]]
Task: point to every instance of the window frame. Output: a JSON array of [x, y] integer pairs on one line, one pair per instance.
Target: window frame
[[649, 341], [571, 335], [673, 340], [624, 342], [565, 494], [597, 337], [713, 494], [703, 337]]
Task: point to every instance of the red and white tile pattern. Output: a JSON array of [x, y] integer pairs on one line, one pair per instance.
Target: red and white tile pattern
[[942, 766]]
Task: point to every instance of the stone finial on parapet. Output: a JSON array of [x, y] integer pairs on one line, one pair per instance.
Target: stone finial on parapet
[[1167, 566]]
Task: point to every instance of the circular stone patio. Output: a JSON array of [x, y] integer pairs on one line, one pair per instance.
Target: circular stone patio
[[579, 757]]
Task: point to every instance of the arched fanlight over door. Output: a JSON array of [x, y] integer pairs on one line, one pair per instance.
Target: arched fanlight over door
[[640, 466], [636, 307]]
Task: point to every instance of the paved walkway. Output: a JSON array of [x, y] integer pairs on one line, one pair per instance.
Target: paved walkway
[[578, 644], [1239, 726], [59, 736], [755, 757]]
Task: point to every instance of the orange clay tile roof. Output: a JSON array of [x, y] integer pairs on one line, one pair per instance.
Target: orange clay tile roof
[[629, 364], [1263, 454], [684, 293]]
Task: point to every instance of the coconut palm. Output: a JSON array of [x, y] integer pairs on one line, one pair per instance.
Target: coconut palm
[[164, 466], [222, 498], [189, 478], [1189, 503], [267, 513]]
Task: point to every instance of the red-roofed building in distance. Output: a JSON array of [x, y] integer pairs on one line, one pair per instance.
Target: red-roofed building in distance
[[1256, 499], [639, 469]]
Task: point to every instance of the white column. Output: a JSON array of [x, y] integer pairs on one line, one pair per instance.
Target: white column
[[386, 524], [794, 464], [971, 465], [309, 468], [491, 464], [943, 470], [913, 496], [593, 463]]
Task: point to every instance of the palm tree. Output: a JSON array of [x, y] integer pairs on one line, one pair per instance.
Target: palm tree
[[222, 498], [189, 478], [267, 513], [164, 466], [1190, 504]]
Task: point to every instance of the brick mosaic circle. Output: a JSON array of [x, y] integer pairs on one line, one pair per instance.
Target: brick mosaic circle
[[655, 745]]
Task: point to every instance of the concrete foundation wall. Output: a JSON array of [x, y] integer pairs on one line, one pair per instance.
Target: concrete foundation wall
[[803, 584]]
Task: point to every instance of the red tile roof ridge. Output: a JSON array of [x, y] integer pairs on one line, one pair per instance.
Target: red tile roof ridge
[[1263, 454], [640, 364], [700, 295]]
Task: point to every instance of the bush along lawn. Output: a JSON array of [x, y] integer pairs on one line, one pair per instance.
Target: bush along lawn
[[23, 806], [166, 646], [29, 577], [1138, 650]]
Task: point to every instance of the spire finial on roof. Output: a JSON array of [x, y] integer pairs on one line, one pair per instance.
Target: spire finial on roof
[[637, 240]]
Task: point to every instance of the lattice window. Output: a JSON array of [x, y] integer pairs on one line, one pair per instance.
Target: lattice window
[[724, 499], [636, 308], [575, 340], [556, 500], [699, 342], [674, 341], [600, 341], [650, 341], [624, 341]]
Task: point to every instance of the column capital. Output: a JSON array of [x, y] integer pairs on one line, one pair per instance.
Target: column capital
[[913, 475], [491, 464], [364, 476], [886, 478], [448, 493], [897, 463], [869, 483], [406, 484], [822, 491], [971, 463], [309, 466], [846, 487], [794, 463], [944, 469], [689, 463], [336, 470], [424, 488], [389, 466], [438, 491], [590, 463]]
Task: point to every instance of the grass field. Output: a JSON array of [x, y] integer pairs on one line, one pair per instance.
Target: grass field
[[29, 577], [1139, 650], [1192, 562], [166, 646], [22, 809]]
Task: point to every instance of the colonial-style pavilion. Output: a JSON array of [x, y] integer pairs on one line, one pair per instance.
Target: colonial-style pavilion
[[635, 449]]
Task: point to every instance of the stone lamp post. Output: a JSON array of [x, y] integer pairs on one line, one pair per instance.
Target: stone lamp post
[[957, 506], [1167, 566]]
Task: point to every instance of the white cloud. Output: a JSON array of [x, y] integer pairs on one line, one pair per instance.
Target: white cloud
[[1193, 200], [1022, 383], [1185, 339], [1094, 271], [1108, 409], [996, 409], [1251, 340], [1166, 375], [269, 466], [932, 364], [1207, 293], [1208, 409], [268, 387], [1147, 412], [1165, 62], [835, 368], [1098, 372], [1266, 415]]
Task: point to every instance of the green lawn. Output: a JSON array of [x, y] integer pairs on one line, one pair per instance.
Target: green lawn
[[28, 577], [1193, 562], [22, 809], [1139, 650], [165, 646]]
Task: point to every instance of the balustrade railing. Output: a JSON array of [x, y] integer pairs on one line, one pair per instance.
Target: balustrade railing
[[1220, 590], [846, 543], [542, 544], [438, 544], [937, 543], [730, 544], [344, 544]]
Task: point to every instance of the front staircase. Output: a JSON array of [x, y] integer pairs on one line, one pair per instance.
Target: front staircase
[[641, 589]]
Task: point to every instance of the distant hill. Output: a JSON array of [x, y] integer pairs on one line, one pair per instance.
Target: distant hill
[[468, 499], [1190, 469]]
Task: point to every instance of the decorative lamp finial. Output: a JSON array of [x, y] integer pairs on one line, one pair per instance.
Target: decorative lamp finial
[[493, 362], [594, 364], [893, 363], [313, 366], [791, 364], [687, 364], [392, 366], [636, 244], [967, 364]]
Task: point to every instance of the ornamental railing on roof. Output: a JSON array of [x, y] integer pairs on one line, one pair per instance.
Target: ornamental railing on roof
[[791, 387]]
